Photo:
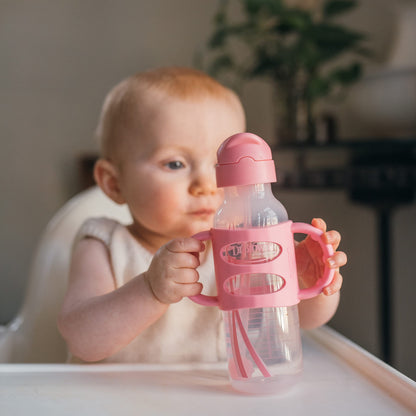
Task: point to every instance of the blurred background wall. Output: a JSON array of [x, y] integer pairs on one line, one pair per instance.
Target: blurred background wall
[[59, 58]]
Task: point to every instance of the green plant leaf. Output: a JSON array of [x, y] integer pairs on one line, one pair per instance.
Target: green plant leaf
[[288, 45], [348, 74], [333, 40], [332, 8], [218, 38], [252, 7], [220, 18], [293, 20], [318, 87], [221, 63], [255, 7]]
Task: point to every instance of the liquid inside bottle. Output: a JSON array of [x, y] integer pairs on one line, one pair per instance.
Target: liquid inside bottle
[[263, 344]]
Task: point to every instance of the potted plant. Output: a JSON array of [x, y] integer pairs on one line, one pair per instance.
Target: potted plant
[[292, 43]]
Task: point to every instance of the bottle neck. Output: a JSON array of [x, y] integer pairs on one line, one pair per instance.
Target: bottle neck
[[249, 206], [248, 192]]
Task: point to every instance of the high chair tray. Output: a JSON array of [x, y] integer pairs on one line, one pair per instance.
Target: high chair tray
[[339, 378]]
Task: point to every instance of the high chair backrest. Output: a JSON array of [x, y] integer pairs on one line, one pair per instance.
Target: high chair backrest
[[33, 336]]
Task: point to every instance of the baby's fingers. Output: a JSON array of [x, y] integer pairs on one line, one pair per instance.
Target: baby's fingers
[[190, 289], [185, 245], [332, 237], [337, 260], [186, 283], [183, 261], [186, 276], [319, 223], [334, 286]]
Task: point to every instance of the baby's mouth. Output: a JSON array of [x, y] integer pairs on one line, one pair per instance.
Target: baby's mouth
[[203, 212]]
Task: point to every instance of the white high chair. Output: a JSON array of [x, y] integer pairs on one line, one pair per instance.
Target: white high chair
[[32, 336]]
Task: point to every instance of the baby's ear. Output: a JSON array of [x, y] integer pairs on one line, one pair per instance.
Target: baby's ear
[[106, 176]]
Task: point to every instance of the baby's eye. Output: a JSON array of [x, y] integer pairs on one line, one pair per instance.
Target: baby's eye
[[175, 164]]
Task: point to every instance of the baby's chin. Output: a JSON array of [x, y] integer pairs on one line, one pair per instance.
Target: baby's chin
[[199, 227]]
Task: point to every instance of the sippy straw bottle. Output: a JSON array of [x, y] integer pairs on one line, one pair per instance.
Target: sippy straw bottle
[[255, 270]]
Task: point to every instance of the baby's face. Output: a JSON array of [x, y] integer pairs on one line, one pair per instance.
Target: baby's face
[[167, 176]]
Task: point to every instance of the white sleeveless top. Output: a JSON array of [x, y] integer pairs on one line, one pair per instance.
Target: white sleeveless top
[[187, 332]]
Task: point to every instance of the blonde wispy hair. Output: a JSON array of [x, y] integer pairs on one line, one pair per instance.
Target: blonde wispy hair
[[122, 104]]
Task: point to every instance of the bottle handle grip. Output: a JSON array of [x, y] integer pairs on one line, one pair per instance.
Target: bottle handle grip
[[204, 299], [328, 251]]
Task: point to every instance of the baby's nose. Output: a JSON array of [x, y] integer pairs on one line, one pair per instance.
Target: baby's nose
[[203, 183]]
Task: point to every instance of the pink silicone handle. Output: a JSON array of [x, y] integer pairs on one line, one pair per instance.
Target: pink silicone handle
[[204, 299], [328, 251]]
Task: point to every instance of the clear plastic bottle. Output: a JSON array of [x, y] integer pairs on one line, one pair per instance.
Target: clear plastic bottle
[[271, 333], [255, 270]]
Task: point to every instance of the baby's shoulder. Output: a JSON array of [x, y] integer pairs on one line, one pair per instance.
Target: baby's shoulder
[[100, 228]]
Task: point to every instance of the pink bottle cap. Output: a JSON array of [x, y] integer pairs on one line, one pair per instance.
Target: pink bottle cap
[[244, 159]]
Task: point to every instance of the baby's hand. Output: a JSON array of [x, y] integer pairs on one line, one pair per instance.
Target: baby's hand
[[309, 259], [172, 274]]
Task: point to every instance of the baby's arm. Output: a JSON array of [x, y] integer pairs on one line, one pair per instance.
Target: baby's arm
[[98, 320], [320, 309]]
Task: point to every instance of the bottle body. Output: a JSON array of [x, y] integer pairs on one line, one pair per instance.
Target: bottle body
[[274, 334], [263, 344]]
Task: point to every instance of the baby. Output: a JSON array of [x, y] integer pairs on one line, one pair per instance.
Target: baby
[[128, 285]]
